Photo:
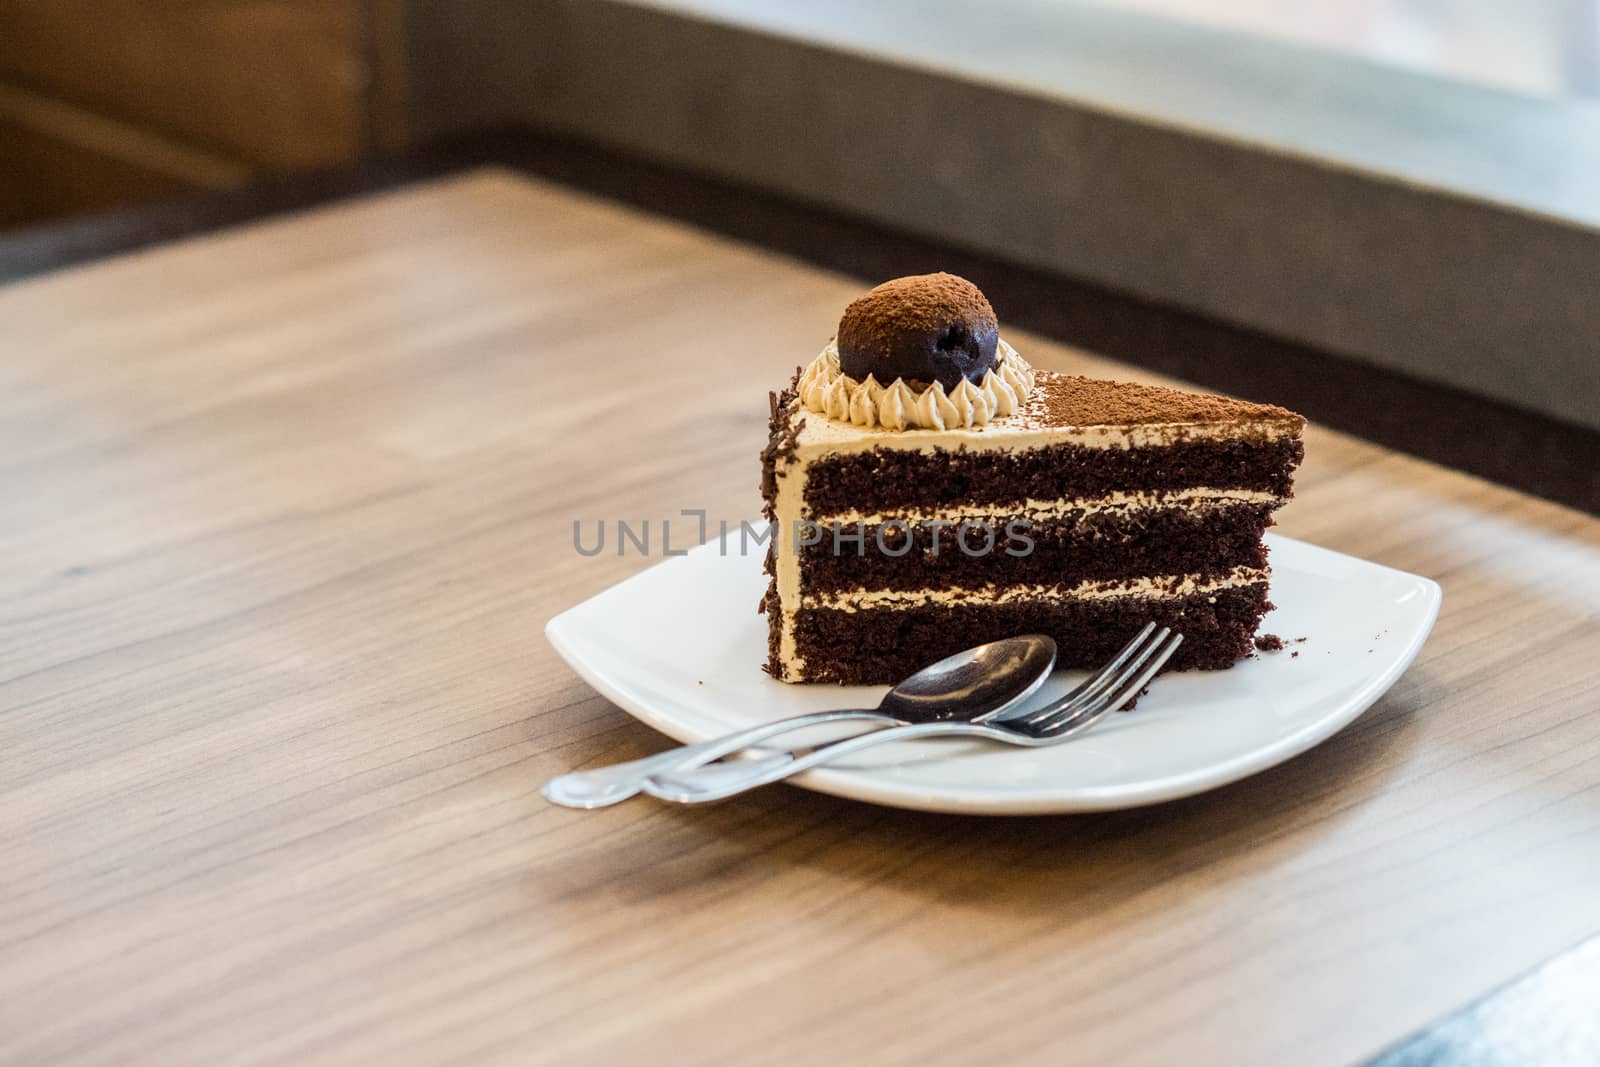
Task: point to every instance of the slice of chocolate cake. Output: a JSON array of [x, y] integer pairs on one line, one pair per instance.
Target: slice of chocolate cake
[[973, 498]]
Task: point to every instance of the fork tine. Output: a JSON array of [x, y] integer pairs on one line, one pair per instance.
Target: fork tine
[[1105, 676], [1065, 725], [1082, 691], [1092, 703]]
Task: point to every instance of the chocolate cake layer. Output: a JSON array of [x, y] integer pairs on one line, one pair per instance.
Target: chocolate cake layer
[[883, 646], [885, 479], [1079, 546]]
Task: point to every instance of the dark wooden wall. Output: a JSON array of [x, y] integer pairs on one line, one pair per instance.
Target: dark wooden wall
[[109, 102]]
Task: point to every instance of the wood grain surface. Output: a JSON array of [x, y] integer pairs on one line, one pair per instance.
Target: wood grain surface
[[283, 511]]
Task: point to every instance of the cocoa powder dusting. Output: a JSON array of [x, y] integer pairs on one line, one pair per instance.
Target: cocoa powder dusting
[[1068, 400]]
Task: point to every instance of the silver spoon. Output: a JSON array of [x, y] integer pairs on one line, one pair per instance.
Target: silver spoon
[[1108, 689], [971, 686]]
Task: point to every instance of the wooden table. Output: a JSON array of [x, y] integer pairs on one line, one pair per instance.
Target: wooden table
[[286, 508]]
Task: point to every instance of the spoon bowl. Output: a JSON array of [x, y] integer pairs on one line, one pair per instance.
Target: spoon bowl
[[974, 685]]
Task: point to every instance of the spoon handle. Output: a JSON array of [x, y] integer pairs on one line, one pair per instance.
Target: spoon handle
[[605, 786], [700, 785]]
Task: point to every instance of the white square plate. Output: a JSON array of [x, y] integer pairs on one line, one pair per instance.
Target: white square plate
[[680, 647]]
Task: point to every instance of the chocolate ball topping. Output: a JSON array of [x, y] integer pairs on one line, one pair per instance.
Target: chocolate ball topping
[[925, 328]]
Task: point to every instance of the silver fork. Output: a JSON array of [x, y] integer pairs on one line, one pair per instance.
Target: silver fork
[[1107, 689]]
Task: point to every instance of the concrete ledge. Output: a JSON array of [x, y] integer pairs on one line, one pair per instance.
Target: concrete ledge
[[1484, 284]]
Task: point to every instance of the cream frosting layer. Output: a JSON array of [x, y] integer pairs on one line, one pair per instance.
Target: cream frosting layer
[[787, 509], [1196, 499], [828, 391], [1030, 426], [1162, 588]]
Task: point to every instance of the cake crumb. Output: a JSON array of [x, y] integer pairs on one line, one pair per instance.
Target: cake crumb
[[1294, 655], [1269, 643]]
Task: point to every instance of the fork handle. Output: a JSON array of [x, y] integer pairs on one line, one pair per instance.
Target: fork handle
[[701, 785], [605, 786]]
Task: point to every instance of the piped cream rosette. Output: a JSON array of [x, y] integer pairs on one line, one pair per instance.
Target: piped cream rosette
[[827, 390]]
